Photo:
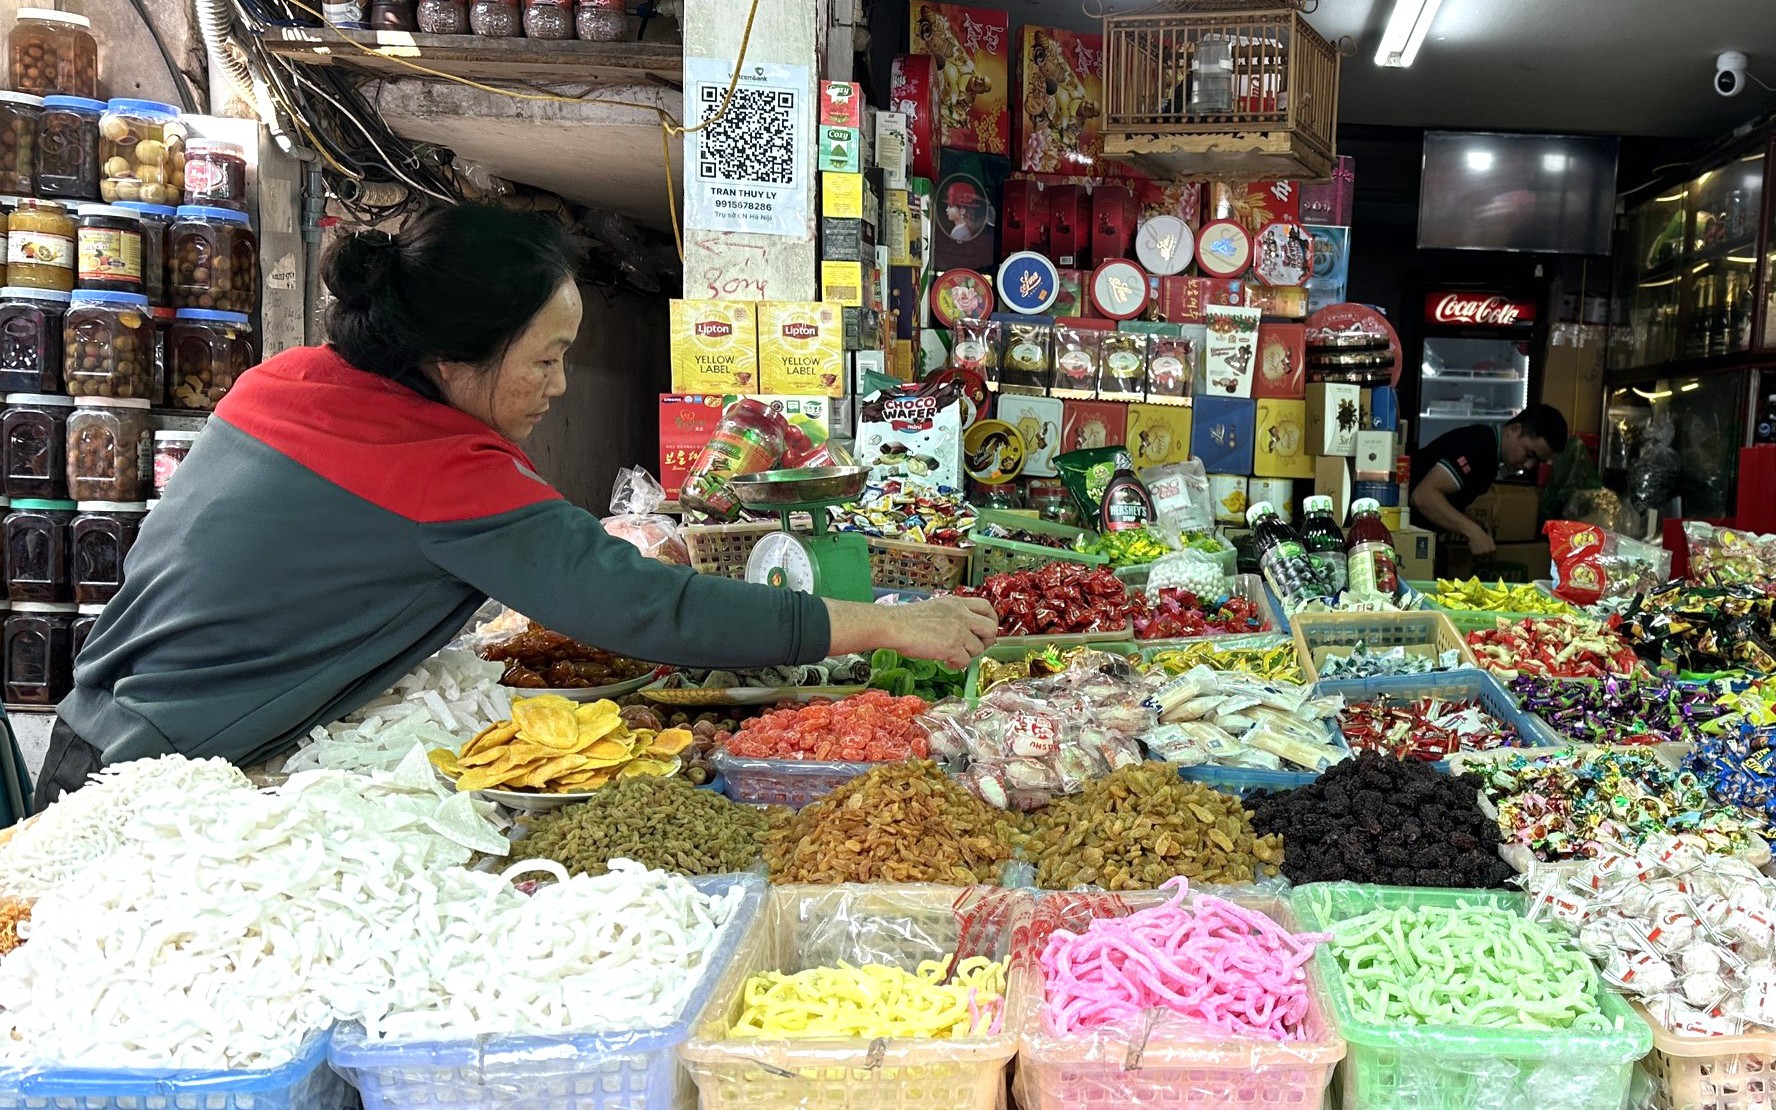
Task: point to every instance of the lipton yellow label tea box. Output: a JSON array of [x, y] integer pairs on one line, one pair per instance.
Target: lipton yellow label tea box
[[714, 347], [802, 348]]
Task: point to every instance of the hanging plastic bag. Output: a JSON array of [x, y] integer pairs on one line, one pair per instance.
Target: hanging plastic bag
[[636, 498]]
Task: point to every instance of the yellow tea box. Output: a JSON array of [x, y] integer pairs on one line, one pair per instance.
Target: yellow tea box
[[802, 348], [714, 347]]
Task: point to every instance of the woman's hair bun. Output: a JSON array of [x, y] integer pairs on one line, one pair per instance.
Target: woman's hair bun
[[362, 264]]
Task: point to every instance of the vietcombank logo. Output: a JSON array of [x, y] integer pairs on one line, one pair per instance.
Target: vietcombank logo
[[800, 330], [715, 329]]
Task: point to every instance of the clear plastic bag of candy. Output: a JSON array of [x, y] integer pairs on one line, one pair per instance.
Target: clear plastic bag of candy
[[635, 500]]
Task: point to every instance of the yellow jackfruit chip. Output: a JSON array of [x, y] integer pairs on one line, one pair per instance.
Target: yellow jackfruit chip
[[550, 724]]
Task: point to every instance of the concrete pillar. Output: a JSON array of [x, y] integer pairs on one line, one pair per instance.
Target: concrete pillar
[[735, 266]]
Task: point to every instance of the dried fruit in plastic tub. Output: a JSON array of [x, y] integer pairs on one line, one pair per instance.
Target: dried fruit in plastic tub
[[538, 659], [666, 824], [901, 823], [1377, 819], [871, 727], [1140, 826]]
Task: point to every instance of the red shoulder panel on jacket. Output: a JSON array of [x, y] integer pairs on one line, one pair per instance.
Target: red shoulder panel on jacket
[[381, 441]]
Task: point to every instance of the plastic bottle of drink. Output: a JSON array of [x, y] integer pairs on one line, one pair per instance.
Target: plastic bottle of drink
[[1283, 557], [1325, 542], [1373, 565]]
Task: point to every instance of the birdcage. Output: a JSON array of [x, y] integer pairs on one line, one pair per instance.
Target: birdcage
[[1232, 89]]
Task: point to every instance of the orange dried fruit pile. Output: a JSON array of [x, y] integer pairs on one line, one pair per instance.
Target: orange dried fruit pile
[[899, 823], [871, 727]]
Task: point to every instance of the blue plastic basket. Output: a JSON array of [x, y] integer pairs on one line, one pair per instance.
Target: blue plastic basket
[[626, 1070], [1464, 684], [305, 1083], [783, 782]]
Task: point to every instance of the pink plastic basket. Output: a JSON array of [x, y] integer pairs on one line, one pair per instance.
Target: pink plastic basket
[[1114, 1070]]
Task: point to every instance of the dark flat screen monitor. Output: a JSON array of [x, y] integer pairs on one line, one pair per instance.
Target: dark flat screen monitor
[[1492, 191]]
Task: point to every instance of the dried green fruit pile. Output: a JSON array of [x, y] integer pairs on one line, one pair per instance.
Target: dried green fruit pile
[[660, 822], [1139, 826]]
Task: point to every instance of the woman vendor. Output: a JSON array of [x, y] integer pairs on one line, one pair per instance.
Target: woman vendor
[[349, 507]]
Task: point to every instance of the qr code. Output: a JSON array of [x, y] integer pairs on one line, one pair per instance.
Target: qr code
[[755, 141]]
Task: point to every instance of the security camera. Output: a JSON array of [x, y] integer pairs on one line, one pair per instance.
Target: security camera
[[1729, 73]]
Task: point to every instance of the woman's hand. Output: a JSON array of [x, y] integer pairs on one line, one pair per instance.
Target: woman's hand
[[950, 630]]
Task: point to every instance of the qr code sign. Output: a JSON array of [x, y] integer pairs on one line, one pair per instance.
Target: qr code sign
[[754, 141]]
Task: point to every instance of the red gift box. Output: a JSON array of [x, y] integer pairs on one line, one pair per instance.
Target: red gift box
[[1114, 213], [1093, 424], [1024, 217], [1069, 227], [973, 50], [1256, 203], [1183, 299], [1060, 98], [914, 92], [687, 420], [841, 104], [1282, 362], [1331, 202]]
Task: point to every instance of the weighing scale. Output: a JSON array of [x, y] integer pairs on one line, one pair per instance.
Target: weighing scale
[[828, 564]]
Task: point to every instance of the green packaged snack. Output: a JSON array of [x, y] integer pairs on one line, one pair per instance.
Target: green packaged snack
[[1087, 473]]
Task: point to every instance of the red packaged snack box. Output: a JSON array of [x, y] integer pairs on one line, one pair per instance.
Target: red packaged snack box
[[972, 49], [1024, 217], [1183, 300], [1069, 227], [1061, 100], [1255, 204], [1282, 362], [913, 92], [1331, 202], [687, 420], [1087, 424], [1114, 213]]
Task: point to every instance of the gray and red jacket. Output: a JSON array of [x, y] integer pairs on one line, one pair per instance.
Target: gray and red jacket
[[331, 529]]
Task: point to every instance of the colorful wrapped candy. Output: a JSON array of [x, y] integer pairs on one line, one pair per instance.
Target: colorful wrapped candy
[[898, 510], [1620, 710], [1728, 556], [1174, 613], [1474, 595], [1705, 631], [1429, 728], [1057, 599], [1565, 647]]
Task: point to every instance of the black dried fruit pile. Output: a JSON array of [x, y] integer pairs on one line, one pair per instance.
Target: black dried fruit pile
[[1377, 819]]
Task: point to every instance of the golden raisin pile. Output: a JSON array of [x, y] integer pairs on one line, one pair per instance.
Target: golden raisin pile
[[899, 823], [1139, 826]]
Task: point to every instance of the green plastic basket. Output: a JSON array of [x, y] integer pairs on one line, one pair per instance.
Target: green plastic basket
[[1467, 620], [1435, 1067], [998, 556]]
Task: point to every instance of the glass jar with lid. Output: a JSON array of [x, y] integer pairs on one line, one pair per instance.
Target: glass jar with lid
[[496, 19], [213, 260], [444, 17], [39, 653], [40, 246], [38, 567], [164, 319], [19, 113], [34, 437], [68, 148], [100, 539], [141, 152], [391, 15], [601, 20], [110, 450], [31, 339], [54, 53], [86, 618], [108, 249], [215, 174], [108, 345], [207, 351], [170, 451], [548, 19], [156, 218]]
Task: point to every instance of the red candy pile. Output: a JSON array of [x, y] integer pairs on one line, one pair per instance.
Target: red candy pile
[[871, 727], [1177, 613], [1056, 599]]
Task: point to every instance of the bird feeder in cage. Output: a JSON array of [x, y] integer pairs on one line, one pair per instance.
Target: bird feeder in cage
[[1233, 89]]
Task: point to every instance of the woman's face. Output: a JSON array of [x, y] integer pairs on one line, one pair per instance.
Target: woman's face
[[514, 396]]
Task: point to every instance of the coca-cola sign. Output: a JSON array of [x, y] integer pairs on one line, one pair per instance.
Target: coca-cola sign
[[1482, 310]]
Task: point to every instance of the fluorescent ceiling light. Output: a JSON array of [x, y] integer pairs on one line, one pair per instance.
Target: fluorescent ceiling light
[[1687, 386], [1480, 161], [1406, 32]]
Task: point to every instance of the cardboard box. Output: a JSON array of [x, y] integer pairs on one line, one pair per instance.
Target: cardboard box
[[1185, 300], [1059, 124], [1332, 478], [841, 196], [801, 348], [846, 241], [1572, 375], [1280, 440], [1158, 434], [1093, 424], [1509, 512], [714, 346], [972, 48], [913, 93], [1280, 492], [1039, 421], [1230, 351], [965, 211], [841, 283], [1277, 302], [841, 150], [1375, 456], [1282, 362], [1221, 434], [1332, 418], [841, 104], [1069, 228], [1114, 214], [1023, 217], [1230, 495], [897, 227], [1417, 551], [893, 147], [1256, 203], [686, 423], [1379, 409]]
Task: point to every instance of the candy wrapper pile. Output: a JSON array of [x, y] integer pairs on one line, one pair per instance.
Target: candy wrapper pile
[[1620, 710], [1427, 727], [1688, 933], [1705, 631], [899, 510]]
